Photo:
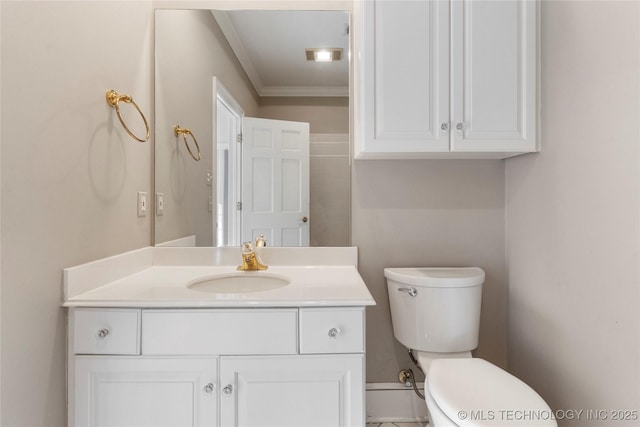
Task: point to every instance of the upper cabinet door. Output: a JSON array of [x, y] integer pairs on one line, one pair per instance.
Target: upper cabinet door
[[404, 97], [493, 56], [445, 79]]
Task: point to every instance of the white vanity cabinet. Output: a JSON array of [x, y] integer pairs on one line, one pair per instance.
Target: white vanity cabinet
[[217, 367], [292, 391], [137, 391], [446, 79]]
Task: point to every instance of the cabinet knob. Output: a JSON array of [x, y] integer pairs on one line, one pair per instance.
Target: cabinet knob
[[228, 389], [459, 126], [444, 126], [102, 333], [305, 219], [209, 388], [334, 332]]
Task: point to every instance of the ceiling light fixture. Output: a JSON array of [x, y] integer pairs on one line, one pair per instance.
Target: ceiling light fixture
[[324, 54]]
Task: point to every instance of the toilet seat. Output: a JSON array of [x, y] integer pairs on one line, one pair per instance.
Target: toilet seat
[[476, 393]]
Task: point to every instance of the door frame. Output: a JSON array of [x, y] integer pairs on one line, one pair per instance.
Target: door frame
[[222, 95]]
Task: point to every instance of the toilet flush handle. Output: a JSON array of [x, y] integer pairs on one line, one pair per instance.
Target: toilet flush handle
[[411, 291]]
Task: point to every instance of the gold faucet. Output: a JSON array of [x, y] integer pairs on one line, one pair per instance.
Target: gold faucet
[[250, 259]]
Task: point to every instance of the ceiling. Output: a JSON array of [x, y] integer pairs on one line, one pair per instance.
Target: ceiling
[[271, 45]]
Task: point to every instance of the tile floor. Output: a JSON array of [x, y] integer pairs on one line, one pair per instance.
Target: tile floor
[[418, 424]]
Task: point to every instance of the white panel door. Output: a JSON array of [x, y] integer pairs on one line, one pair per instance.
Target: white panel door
[[292, 391], [406, 76], [113, 391], [494, 75], [275, 181]]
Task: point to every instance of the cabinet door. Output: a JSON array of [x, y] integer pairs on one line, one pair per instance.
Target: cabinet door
[[292, 391], [494, 75], [405, 78], [135, 391]]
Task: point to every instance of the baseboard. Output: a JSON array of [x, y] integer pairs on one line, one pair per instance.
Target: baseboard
[[394, 402]]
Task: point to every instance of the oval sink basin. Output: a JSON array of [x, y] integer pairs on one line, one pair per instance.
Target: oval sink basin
[[240, 282]]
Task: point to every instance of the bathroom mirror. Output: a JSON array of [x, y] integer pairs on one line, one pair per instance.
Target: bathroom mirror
[[214, 71]]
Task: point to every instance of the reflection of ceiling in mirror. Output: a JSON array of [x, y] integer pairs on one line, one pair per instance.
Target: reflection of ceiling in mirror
[[271, 47]]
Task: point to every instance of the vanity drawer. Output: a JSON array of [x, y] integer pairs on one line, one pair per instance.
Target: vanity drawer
[[106, 331], [331, 330], [223, 331]]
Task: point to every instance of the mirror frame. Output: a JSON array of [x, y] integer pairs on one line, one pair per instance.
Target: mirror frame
[[349, 6]]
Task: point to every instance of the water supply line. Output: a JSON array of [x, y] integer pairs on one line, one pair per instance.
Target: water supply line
[[406, 376]]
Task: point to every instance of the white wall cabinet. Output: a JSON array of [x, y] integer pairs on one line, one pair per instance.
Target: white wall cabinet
[[216, 367], [449, 79]]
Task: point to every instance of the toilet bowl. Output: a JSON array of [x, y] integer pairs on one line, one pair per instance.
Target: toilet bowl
[[474, 392], [435, 313]]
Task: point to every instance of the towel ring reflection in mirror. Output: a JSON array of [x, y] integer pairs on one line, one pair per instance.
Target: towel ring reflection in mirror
[[184, 132], [113, 99]]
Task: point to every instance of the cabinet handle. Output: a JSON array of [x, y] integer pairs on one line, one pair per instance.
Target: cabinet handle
[[411, 291], [228, 389], [102, 333], [209, 388], [444, 126], [334, 332], [460, 126]]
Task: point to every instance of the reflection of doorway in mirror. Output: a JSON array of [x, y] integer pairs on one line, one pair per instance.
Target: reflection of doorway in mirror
[[275, 181], [262, 179], [228, 126]]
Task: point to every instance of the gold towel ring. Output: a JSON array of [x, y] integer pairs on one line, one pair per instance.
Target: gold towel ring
[[184, 132], [113, 99]]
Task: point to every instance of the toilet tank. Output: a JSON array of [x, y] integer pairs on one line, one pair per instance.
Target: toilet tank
[[436, 309]]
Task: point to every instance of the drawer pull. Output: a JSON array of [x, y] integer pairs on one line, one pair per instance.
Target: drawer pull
[[102, 333], [209, 388], [228, 389], [334, 332]]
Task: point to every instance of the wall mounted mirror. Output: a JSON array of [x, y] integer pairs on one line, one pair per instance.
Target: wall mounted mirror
[[222, 74]]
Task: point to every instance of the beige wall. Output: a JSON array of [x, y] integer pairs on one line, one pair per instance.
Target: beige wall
[[411, 213], [573, 216], [330, 190], [324, 115], [70, 175]]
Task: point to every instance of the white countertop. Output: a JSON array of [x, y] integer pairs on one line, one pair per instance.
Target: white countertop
[[160, 281]]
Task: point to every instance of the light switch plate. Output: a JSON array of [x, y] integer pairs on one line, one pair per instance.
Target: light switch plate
[[159, 203], [142, 203]]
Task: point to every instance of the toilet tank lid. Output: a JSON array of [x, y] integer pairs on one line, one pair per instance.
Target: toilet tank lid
[[437, 277], [463, 386]]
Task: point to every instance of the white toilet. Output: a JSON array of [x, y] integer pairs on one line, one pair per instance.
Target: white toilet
[[436, 314]]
